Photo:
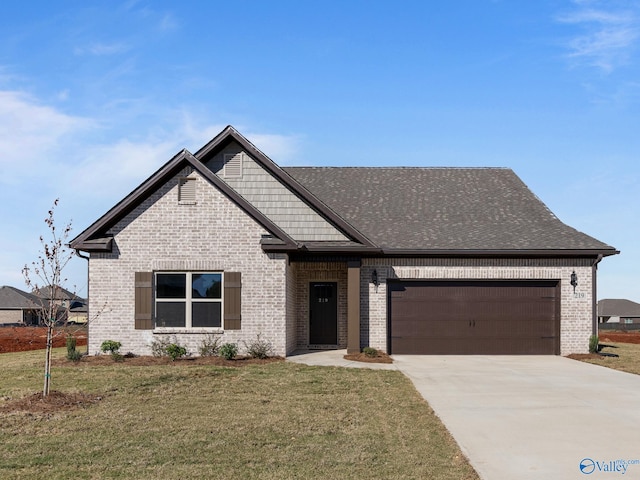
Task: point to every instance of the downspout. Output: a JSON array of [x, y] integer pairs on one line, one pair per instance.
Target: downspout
[[594, 298], [87, 259]]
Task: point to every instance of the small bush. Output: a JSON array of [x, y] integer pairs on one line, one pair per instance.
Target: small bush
[[594, 340], [175, 351], [111, 346], [228, 351], [370, 352], [72, 353], [159, 347], [210, 346], [259, 348]]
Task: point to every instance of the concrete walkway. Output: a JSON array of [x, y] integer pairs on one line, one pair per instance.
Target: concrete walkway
[[529, 417]]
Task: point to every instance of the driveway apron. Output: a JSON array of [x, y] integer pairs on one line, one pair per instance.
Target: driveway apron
[[534, 417]]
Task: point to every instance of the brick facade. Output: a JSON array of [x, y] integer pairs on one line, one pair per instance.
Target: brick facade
[[213, 234]]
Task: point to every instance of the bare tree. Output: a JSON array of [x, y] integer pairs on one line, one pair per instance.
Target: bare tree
[[46, 275]]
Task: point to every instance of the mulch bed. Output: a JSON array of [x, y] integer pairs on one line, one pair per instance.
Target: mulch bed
[[138, 361], [380, 357]]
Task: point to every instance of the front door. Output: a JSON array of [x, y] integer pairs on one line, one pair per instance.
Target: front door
[[323, 313]]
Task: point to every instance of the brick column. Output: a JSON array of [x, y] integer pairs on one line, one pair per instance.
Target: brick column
[[353, 306]]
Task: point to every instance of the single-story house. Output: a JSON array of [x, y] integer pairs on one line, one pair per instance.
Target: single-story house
[[18, 307], [406, 260], [618, 310]]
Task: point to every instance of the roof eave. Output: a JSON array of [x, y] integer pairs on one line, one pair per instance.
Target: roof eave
[[530, 253]]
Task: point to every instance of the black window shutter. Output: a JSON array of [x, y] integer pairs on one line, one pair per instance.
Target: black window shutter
[[232, 300], [144, 301]]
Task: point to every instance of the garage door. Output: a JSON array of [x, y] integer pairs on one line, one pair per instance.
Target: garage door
[[472, 317]]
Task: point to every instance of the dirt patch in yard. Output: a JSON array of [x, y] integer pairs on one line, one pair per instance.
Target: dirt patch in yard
[[620, 337], [22, 339], [54, 402]]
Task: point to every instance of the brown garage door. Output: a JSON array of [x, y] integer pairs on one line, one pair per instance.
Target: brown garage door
[[472, 317]]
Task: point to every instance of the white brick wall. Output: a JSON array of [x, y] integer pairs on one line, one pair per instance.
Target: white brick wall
[[214, 234]]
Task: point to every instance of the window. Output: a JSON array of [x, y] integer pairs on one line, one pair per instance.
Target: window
[[627, 320], [188, 300]]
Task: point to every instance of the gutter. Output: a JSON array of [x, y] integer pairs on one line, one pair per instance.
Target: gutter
[[594, 298], [88, 298]]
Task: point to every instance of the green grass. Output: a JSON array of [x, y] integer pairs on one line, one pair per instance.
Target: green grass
[[628, 359], [273, 421]]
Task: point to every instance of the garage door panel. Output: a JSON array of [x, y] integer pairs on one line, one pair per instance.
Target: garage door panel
[[474, 317]]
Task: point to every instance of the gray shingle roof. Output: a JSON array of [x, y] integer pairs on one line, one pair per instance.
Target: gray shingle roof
[[14, 298], [442, 208], [618, 307]]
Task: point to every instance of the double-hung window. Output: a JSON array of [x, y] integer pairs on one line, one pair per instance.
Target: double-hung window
[[188, 299]]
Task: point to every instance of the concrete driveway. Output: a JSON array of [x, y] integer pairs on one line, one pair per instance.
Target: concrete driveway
[[534, 417]]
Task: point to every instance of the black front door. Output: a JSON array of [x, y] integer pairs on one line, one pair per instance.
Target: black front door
[[323, 313]]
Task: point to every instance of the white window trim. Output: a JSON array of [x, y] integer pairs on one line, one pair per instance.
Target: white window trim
[[188, 300]]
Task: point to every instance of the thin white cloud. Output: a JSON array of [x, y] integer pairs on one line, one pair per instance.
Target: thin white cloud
[[283, 149], [102, 49], [30, 129], [608, 36]]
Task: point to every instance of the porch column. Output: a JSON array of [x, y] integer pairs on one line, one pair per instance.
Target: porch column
[[353, 306]]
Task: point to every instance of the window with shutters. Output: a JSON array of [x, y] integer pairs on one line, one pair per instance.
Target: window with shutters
[[188, 299], [232, 165], [187, 191]]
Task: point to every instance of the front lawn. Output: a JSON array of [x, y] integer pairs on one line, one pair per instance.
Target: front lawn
[[273, 421], [628, 359]]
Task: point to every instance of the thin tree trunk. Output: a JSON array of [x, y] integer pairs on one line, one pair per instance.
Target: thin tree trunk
[[47, 362]]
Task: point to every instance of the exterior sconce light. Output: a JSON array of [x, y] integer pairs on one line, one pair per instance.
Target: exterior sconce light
[[574, 281], [374, 279]]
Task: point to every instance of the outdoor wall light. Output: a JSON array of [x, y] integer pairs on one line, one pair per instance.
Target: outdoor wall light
[[574, 281], [374, 279]]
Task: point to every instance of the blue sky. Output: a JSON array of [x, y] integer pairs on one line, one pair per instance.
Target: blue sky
[[94, 96]]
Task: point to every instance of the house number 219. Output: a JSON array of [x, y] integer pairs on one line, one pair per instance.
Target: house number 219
[[578, 295]]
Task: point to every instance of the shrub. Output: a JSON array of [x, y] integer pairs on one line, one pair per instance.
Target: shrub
[[72, 353], [113, 348], [228, 351], [370, 352], [593, 344], [159, 347], [165, 347], [259, 348], [210, 346], [175, 351]]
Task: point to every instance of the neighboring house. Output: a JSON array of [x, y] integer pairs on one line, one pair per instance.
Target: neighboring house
[[78, 312], [18, 307], [617, 310], [406, 260]]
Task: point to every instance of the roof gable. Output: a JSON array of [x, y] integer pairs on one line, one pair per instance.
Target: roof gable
[[95, 238]]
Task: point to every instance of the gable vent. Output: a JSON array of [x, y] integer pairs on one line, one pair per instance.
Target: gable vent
[[232, 165], [187, 191]]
